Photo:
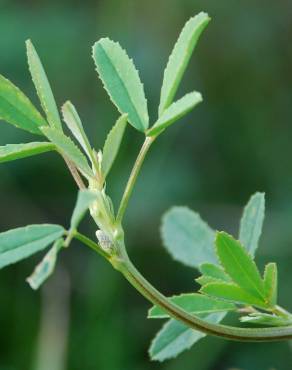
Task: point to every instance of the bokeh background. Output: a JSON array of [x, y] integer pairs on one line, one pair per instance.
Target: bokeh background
[[235, 143]]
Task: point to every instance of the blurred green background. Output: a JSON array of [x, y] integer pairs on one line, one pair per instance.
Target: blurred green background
[[235, 143]]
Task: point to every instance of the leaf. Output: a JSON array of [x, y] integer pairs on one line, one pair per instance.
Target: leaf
[[179, 58], [46, 267], [42, 86], [252, 222], [175, 337], [214, 271], [204, 280], [66, 146], [73, 121], [232, 293], [121, 81], [112, 144], [11, 152], [193, 303], [187, 237], [84, 199], [22, 242], [239, 265], [174, 112], [266, 319], [271, 283], [17, 109]]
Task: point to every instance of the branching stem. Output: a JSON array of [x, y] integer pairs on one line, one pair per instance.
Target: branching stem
[[121, 262]]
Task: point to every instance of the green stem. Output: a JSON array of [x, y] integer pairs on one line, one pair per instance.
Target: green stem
[[91, 244], [133, 177], [126, 267], [120, 261]]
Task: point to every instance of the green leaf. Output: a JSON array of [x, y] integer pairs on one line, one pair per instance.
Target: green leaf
[[252, 222], [266, 319], [84, 199], [17, 109], [232, 293], [121, 81], [175, 337], [42, 86], [46, 267], [193, 303], [66, 146], [112, 144], [205, 279], [180, 57], [174, 112], [214, 271], [11, 152], [187, 237], [22, 242], [239, 265], [73, 121], [271, 283]]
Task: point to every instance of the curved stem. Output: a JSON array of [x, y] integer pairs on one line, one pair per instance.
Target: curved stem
[[122, 263], [133, 177], [229, 332]]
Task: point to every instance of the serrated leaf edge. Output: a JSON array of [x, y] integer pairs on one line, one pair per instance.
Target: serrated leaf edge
[[52, 117], [247, 254], [25, 99], [146, 118], [167, 103]]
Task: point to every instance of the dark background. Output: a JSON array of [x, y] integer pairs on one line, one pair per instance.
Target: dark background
[[235, 143]]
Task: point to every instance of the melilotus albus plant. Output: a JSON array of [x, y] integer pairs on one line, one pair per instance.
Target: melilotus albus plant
[[230, 279]]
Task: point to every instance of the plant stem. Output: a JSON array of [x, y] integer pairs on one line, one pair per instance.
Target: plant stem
[[91, 244], [126, 267], [133, 177], [122, 263]]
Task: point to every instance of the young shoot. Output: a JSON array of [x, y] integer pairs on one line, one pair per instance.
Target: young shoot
[[230, 280]]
